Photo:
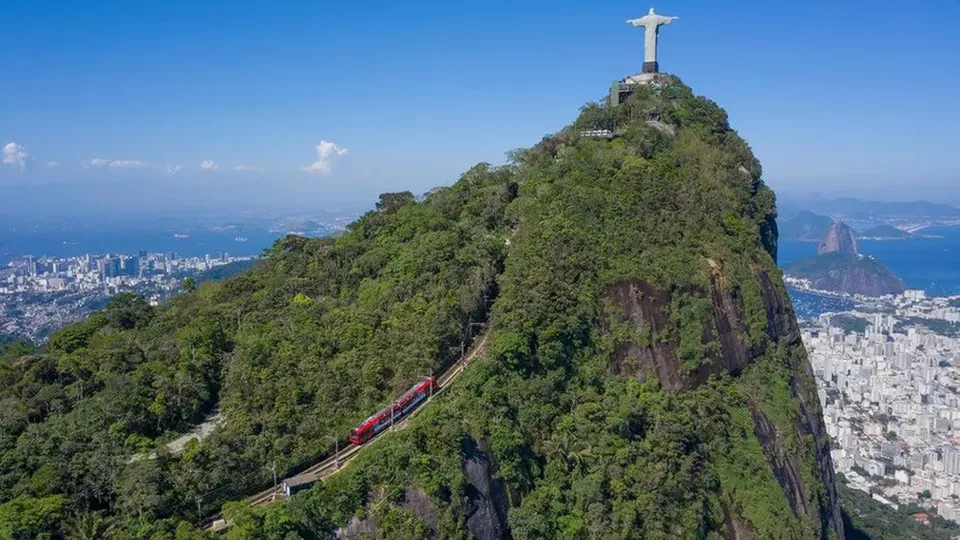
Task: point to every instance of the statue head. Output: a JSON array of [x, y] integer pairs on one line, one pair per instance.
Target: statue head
[[651, 12]]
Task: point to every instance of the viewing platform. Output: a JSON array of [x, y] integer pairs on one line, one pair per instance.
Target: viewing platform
[[624, 88]]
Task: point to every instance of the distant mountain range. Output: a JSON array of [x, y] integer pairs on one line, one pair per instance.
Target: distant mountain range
[[856, 209], [884, 232], [870, 220], [804, 225]]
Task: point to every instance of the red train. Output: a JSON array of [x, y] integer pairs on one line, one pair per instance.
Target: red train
[[394, 412]]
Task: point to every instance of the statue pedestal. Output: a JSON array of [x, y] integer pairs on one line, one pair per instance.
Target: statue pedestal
[[651, 67]]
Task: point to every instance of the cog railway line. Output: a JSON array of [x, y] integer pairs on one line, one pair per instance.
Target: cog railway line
[[332, 465]]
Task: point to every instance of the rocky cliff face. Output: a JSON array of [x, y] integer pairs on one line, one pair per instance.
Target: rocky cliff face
[[839, 238], [486, 510], [647, 310]]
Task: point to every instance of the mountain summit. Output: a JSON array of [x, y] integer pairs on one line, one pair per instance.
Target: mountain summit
[[639, 372], [839, 238]]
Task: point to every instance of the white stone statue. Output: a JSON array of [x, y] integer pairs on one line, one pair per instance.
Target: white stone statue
[[651, 24]]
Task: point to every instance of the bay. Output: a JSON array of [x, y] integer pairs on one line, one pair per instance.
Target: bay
[[187, 242], [930, 264]]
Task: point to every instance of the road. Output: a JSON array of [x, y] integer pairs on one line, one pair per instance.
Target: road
[[334, 464]]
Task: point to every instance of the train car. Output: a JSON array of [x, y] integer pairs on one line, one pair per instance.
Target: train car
[[386, 416]]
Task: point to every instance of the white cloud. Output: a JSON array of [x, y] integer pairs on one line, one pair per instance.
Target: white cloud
[[127, 164], [116, 163], [209, 165], [14, 154], [52, 164], [248, 168], [173, 169], [327, 152]]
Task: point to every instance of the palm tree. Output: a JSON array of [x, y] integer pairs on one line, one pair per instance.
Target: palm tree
[[88, 526]]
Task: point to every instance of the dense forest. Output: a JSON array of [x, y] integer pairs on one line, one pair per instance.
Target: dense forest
[[294, 353], [866, 518], [643, 376]]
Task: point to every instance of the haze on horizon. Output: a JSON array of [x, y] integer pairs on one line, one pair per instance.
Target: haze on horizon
[[126, 108]]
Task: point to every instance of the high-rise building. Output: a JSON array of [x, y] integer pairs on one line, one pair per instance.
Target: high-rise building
[[951, 460], [142, 253], [132, 266], [914, 294], [111, 267], [890, 449]]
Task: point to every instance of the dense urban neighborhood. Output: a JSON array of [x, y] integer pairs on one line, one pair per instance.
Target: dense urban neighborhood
[[888, 374], [39, 295]]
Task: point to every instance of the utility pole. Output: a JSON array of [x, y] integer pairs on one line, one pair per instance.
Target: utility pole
[[475, 324], [470, 326], [273, 469], [336, 449], [429, 387]]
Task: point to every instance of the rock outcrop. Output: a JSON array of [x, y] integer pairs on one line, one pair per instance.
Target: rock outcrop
[[839, 267], [839, 238], [647, 311], [487, 504]]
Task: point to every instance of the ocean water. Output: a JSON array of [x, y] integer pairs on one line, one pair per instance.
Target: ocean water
[[810, 306], [69, 242], [931, 264]]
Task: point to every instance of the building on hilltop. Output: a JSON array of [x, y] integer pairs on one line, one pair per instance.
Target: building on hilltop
[[650, 74]]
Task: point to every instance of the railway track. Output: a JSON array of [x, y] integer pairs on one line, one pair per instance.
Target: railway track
[[332, 465]]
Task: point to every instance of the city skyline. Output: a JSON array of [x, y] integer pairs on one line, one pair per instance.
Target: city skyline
[[886, 373], [40, 294], [324, 105]]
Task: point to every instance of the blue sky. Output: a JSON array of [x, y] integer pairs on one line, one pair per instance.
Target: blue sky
[[849, 99]]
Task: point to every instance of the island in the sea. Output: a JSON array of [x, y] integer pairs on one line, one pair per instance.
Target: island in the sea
[[839, 267], [884, 232]]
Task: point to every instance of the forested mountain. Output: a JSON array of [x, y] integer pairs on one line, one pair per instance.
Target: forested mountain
[[643, 375], [296, 351], [884, 232], [803, 225]]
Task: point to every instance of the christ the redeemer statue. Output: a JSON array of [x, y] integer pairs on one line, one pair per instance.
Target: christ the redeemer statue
[[651, 24]]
